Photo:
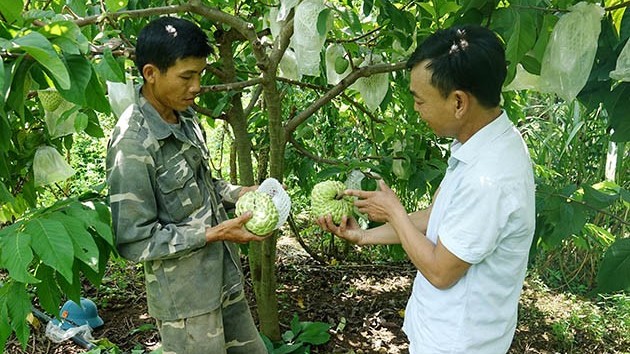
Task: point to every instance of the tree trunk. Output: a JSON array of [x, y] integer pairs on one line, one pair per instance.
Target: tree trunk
[[262, 255]]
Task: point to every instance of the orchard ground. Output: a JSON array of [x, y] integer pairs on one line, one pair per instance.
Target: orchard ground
[[363, 303]]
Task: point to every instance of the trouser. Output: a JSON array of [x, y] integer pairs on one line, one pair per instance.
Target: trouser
[[228, 329]]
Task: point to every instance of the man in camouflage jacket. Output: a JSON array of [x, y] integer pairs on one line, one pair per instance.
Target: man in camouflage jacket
[[167, 210]]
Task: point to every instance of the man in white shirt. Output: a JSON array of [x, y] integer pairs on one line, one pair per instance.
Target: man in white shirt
[[471, 245]]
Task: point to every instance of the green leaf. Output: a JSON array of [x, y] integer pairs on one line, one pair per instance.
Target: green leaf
[[37, 46], [5, 195], [2, 79], [322, 22], [367, 7], [53, 245], [5, 326], [115, 5], [95, 95], [95, 216], [93, 127], [296, 326], [47, 290], [72, 290], [614, 271], [11, 11], [19, 308], [67, 35], [17, 256], [5, 132], [109, 69], [618, 106], [598, 199], [80, 72], [315, 333], [287, 348], [85, 249]]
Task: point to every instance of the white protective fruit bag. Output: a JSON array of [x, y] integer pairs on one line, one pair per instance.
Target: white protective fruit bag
[[622, 71], [50, 167], [59, 114], [121, 95], [279, 196], [372, 89], [307, 42], [570, 53]]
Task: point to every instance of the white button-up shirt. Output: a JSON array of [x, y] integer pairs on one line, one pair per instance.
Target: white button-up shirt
[[485, 215]]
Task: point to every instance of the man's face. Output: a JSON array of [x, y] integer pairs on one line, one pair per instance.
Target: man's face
[[177, 87], [437, 111]]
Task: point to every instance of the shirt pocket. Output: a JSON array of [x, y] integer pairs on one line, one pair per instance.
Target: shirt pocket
[[179, 193]]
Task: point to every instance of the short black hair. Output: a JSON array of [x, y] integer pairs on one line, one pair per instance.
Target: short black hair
[[467, 57], [167, 39]]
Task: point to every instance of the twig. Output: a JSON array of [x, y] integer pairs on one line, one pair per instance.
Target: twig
[[306, 248]]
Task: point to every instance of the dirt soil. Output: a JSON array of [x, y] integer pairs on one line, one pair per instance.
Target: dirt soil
[[364, 304]]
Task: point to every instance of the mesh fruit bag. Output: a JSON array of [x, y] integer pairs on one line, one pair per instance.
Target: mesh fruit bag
[[279, 197], [569, 56]]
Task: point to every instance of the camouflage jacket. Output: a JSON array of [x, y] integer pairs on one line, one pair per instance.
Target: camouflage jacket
[[162, 197]]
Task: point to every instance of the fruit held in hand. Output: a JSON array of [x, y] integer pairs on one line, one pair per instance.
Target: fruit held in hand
[[265, 214], [327, 198]]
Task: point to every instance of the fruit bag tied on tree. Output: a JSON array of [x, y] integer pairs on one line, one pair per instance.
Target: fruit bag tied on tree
[[622, 71], [59, 114], [569, 56], [49, 167]]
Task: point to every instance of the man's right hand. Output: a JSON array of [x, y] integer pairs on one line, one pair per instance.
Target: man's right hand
[[348, 229], [233, 230]]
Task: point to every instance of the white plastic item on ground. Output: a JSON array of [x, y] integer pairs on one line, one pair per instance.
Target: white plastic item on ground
[[279, 196], [569, 56], [57, 334]]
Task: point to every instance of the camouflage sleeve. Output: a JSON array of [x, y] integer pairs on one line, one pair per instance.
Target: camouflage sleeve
[[228, 192], [139, 234]]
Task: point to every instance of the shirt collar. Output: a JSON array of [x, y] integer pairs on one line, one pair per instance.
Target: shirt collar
[[468, 151], [158, 126]]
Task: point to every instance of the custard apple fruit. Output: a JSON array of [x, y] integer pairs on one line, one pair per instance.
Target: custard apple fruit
[[265, 214], [327, 198], [50, 99]]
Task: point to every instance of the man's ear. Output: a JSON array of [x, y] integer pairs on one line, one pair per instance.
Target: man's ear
[[149, 72], [462, 103]]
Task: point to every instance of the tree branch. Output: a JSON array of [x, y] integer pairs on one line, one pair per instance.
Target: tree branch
[[343, 95], [232, 86], [365, 71], [310, 155]]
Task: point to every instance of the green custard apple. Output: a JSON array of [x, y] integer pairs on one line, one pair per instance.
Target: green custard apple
[[50, 99], [265, 214], [327, 198]]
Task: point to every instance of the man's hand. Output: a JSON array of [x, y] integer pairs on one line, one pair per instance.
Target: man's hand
[[348, 228], [379, 205], [233, 230], [247, 189]]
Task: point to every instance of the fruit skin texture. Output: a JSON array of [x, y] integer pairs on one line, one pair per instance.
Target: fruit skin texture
[[265, 214], [324, 201], [50, 99]]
